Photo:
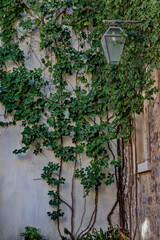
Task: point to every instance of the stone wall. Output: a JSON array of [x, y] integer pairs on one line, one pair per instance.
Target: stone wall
[[149, 182], [143, 205]]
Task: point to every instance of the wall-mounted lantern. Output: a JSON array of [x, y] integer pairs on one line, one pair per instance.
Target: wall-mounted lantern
[[113, 41], [113, 44]]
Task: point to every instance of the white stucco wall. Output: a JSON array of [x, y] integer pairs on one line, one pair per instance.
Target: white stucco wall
[[23, 194]]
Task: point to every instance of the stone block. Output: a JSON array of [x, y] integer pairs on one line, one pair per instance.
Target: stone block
[[144, 199], [147, 212], [153, 173], [158, 212], [141, 212], [158, 158], [150, 200], [144, 167], [139, 236], [143, 188], [139, 226], [158, 199], [152, 186], [157, 171]]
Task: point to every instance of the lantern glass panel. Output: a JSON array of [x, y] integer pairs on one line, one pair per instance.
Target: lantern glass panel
[[105, 49], [115, 48], [113, 43]]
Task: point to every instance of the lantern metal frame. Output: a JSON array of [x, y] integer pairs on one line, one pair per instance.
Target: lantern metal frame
[[105, 36]]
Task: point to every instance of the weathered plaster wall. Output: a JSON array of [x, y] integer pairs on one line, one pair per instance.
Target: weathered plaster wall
[[23, 194]]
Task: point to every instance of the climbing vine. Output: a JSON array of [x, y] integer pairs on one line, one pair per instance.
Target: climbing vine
[[73, 93]]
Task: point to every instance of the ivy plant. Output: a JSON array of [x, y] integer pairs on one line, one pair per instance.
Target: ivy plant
[[94, 109]]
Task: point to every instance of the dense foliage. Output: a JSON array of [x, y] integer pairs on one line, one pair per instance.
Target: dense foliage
[[112, 233], [31, 233], [52, 106]]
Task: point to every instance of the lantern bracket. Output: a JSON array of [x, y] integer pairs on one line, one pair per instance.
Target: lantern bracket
[[123, 21], [111, 50]]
